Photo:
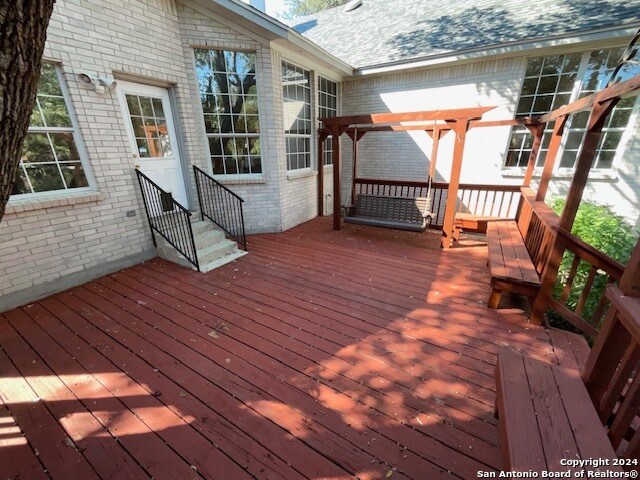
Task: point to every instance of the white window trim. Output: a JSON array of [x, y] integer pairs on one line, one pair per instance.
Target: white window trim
[[80, 147], [291, 173], [564, 172]]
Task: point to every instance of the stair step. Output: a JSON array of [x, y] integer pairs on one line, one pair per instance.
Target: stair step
[[213, 252], [208, 238], [201, 226], [207, 267]]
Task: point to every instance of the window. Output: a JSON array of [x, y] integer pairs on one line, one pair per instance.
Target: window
[[328, 107], [50, 160], [553, 81], [229, 96], [296, 94]]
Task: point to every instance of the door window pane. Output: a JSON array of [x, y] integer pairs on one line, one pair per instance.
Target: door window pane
[[149, 126]]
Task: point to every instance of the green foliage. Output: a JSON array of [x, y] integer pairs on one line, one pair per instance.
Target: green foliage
[[598, 226], [300, 8]]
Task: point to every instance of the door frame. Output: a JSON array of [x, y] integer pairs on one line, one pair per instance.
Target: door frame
[[173, 118]]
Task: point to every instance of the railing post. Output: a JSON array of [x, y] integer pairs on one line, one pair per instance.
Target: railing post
[[146, 207], [195, 174], [598, 115], [630, 281]]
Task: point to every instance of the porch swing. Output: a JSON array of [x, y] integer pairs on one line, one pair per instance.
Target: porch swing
[[396, 212], [404, 212]]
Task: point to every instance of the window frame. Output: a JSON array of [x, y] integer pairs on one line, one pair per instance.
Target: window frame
[[222, 136], [74, 129], [327, 146], [577, 92], [309, 136]]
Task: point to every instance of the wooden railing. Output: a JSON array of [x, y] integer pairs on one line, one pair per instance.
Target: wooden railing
[[579, 292], [579, 295], [612, 373], [500, 201]]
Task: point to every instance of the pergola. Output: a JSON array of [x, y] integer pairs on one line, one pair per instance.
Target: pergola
[[549, 238], [437, 123]]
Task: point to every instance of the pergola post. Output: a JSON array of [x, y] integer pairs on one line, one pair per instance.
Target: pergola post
[[354, 167], [537, 131], [435, 136], [550, 159], [335, 160], [460, 128], [584, 162]]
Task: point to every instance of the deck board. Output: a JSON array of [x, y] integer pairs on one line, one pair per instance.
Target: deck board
[[321, 354]]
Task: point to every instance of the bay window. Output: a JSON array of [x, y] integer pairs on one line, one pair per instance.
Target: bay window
[[296, 95], [229, 97], [327, 107]]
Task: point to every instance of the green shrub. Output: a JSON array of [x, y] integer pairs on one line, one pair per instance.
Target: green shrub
[[601, 228]]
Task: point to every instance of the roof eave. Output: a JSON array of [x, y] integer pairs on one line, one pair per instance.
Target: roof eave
[[301, 42], [505, 49], [271, 29]]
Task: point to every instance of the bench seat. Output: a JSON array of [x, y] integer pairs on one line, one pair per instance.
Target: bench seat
[[509, 262], [378, 222], [546, 415], [471, 222], [402, 213]]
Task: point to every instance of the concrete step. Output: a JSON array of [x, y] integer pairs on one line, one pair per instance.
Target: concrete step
[[208, 238], [201, 226], [207, 267], [215, 251]]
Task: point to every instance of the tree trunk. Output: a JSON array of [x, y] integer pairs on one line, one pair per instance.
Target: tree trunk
[[23, 28]]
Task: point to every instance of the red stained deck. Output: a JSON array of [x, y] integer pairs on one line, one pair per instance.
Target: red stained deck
[[321, 354]]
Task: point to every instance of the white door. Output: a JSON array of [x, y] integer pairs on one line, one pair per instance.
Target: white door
[[152, 135]]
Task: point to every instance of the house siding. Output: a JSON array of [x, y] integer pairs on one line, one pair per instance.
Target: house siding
[[405, 155]]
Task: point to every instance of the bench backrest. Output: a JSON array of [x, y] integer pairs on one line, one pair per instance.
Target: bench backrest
[[612, 373], [537, 223], [403, 209]]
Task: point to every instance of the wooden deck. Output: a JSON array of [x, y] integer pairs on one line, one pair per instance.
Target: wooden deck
[[321, 354]]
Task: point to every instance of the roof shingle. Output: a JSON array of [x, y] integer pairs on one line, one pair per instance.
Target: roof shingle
[[382, 31]]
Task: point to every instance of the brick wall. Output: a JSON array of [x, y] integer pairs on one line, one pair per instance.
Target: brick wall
[[44, 240], [49, 240]]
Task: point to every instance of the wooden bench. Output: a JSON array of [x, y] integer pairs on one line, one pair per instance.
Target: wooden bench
[[548, 413], [546, 416], [509, 262], [402, 213]]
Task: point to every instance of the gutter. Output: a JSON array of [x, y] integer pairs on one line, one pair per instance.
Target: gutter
[[508, 48]]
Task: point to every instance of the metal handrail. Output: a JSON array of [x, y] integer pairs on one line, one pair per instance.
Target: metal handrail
[[220, 205], [168, 218]]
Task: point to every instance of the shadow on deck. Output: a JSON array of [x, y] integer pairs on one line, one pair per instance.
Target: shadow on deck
[[322, 354]]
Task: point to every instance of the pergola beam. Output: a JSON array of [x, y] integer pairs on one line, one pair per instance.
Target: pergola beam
[[430, 127], [474, 113], [618, 90]]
